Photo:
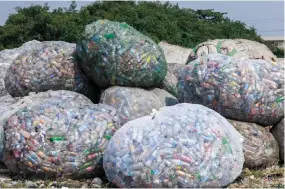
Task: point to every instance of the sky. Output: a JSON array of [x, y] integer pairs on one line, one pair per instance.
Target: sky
[[266, 16]]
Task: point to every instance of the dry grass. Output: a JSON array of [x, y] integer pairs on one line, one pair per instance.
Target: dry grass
[[272, 177]]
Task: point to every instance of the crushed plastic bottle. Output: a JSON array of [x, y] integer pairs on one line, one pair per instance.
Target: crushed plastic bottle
[[51, 66], [113, 53], [132, 103], [238, 48], [245, 90], [260, 147], [185, 145], [59, 138], [278, 133]]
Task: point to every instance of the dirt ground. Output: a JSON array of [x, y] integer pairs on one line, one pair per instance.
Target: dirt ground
[[272, 177]]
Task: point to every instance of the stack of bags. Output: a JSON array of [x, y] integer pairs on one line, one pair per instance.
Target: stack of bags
[[246, 89], [112, 105]]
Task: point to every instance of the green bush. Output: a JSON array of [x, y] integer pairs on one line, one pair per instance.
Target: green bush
[[159, 21], [279, 52]]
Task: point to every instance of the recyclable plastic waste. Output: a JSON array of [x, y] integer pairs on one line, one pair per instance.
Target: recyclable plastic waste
[[49, 67], [260, 147], [62, 96], [59, 139], [238, 48], [30, 45], [7, 56], [113, 53], [132, 103], [10, 106], [244, 90], [5, 103], [185, 145], [278, 132], [171, 79]]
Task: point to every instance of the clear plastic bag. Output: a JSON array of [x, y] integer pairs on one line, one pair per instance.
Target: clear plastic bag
[[132, 103], [260, 147], [185, 145], [48, 67], [245, 90], [62, 96], [10, 106], [59, 138], [7, 56], [5, 104], [238, 48], [113, 53]]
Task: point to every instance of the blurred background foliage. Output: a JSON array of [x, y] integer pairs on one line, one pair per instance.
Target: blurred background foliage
[[160, 21]]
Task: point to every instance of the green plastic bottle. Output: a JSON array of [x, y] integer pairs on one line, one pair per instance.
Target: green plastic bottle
[[56, 138]]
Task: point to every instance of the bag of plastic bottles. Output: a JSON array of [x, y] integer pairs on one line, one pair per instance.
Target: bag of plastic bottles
[[5, 104], [59, 139], [171, 79], [185, 145], [260, 147], [113, 53], [238, 48], [244, 90], [278, 132], [10, 106], [60, 96], [7, 56], [132, 103], [49, 67]]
